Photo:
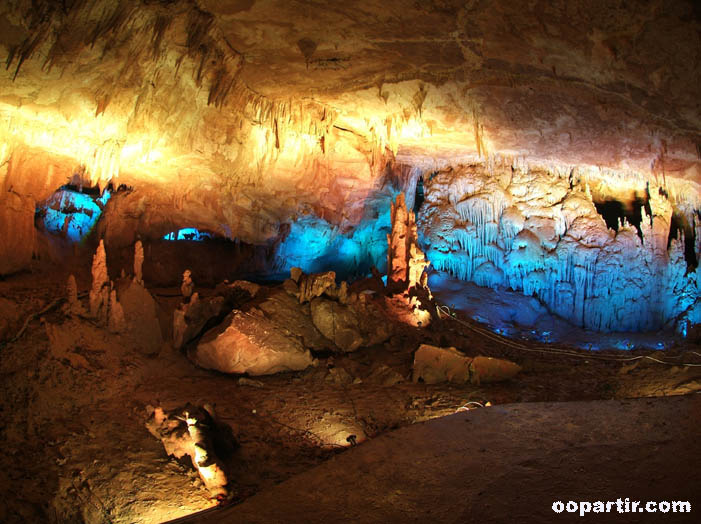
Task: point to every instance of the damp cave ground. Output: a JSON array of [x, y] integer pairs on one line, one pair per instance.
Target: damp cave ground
[[76, 448]]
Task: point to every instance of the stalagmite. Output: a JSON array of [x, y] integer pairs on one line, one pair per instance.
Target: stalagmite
[[73, 306], [100, 290], [116, 322], [138, 262], [406, 261], [188, 286]]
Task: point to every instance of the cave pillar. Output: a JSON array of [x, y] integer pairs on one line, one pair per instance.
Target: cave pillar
[[406, 262]]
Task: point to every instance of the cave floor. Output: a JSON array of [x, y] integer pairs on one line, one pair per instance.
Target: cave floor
[[507, 463], [76, 448]]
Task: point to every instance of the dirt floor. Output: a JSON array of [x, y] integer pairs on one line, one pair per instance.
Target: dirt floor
[[73, 410], [508, 463]]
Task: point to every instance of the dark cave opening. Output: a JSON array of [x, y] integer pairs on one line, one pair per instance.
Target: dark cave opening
[[679, 223], [614, 212], [419, 196]]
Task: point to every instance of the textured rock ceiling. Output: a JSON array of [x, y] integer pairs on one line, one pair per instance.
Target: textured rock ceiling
[[236, 115]]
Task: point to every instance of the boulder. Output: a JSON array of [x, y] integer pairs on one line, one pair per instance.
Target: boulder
[[285, 311], [487, 369], [291, 287], [248, 342], [250, 287], [312, 286], [190, 319], [338, 323], [385, 376], [295, 274], [434, 364]]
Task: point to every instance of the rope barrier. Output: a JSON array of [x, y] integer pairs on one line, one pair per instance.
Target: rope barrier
[[445, 310]]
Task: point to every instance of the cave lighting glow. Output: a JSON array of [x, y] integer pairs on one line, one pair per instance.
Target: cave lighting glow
[[100, 144], [315, 245], [72, 212], [188, 233]]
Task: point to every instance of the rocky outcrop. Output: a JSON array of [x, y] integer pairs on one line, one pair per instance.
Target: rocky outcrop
[[315, 285], [195, 432], [434, 365], [338, 323], [191, 317], [358, 324], [288, 314], [248, 342]]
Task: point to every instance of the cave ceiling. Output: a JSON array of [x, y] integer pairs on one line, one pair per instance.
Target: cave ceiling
[[251, 111]]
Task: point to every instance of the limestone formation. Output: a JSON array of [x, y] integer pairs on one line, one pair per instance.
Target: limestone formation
[[190, 318], [138, 262], [433, 365], [315, 285], [116, 322], [406, 261], [338, 323], [141, 313], [248, 342], [73, 305], [100, 289], [188, 286], [195, 432], [287, 313]]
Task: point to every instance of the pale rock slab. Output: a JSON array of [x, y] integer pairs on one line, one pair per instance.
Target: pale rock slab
[[434, 365], [248, 342], [193, 431]]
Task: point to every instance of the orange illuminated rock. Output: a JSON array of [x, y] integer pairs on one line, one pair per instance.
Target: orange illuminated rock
[[248, 342], [405, 260], [433, 365], [193, 432]]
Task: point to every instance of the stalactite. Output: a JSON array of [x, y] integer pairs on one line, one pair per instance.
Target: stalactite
[[596, 278]]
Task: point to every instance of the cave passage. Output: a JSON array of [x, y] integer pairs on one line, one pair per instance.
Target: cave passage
[[72, 211], [614, 212], [678, 225]]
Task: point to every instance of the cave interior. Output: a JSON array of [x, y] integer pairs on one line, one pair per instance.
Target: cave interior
[[370, 261]]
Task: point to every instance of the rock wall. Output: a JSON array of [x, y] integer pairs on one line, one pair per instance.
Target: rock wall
[[538, 231]]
